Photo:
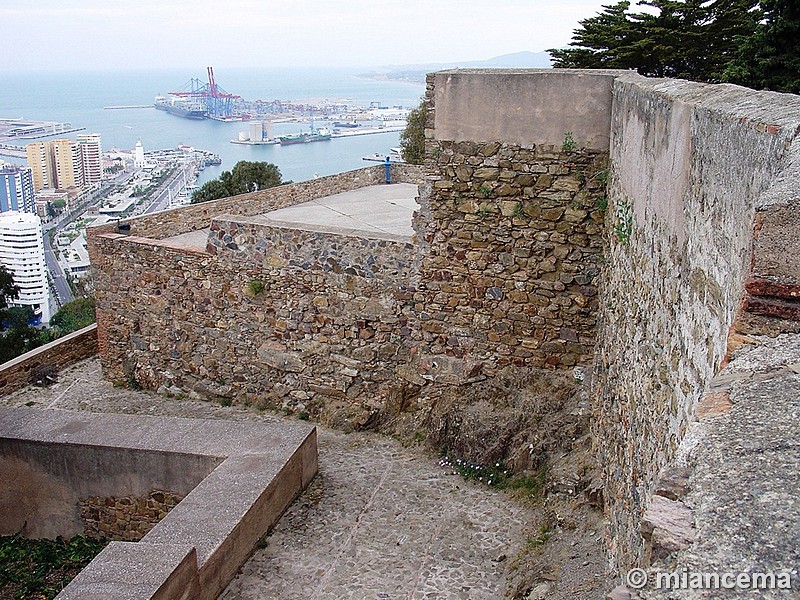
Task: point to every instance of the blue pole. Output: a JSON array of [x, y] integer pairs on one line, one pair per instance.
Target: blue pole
[[387, 165]]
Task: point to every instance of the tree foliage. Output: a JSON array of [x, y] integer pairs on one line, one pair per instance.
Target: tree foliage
[[770, 58], [73, 316], [8, 289], [412, 138], [246, 176], [689, 39]]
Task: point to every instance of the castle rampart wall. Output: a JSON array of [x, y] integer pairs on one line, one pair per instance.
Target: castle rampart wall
[[690, 166]]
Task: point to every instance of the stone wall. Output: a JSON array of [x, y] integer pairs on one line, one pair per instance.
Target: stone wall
[[308, 321], [690, 163], [126, 518], [566, 217], [46, 360], [512, 232]]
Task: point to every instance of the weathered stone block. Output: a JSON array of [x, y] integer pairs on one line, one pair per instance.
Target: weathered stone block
[[277, 357]]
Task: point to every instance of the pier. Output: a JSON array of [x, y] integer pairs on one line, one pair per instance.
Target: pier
[[12, 151], [30, 129]]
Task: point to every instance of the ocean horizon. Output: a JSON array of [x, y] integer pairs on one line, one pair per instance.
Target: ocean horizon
[[79, 97]]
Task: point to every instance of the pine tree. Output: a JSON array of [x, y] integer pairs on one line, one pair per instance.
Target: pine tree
[[769, 59], [689, 39]]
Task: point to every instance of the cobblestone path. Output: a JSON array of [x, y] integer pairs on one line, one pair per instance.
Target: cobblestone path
[[379, 521]]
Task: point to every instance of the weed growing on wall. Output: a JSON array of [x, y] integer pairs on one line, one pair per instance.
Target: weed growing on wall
[[569, 142], [624, 225], [255, 287]]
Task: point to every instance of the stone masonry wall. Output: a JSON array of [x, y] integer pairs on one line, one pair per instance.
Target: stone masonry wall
[[513, 257], [256, 320], [690, 163], [520, 261], [512, 243], [25, 369], [126, 518]]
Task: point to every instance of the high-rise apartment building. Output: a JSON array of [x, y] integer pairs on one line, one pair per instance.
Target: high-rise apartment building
[[67, 164], [40, 160], [16, 189], [64, 163], [91, 151], [22, 253]]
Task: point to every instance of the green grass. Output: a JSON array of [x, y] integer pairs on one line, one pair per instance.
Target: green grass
[[40, 569]]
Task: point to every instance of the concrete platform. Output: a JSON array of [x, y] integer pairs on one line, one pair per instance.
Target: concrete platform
[[248, 474], [384, 209]]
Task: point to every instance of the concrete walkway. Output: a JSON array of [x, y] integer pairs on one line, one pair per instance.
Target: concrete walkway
[[379, 521], [379, 208]]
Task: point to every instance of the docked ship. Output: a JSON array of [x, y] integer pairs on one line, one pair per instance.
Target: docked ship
[[181, 107], [320, 135]]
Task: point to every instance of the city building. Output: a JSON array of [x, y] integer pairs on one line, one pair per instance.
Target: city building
[[67, 164], [40, 161], [63, 163], [91, 154], [16, 189], [22, 253]]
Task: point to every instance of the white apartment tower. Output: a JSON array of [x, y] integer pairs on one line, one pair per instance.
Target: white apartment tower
[[22, 253], [91, 151]]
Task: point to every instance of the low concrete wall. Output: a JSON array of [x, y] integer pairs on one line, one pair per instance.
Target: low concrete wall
[[203, 541], [16, 374], [54, 479]]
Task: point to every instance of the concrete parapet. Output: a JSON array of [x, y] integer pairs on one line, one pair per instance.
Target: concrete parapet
[[240, 478], [529, 107]]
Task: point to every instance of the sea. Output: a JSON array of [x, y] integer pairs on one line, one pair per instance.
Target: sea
[[80, 97]]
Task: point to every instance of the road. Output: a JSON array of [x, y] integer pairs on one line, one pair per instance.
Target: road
[[62, 289], [170, 188], [161, 201]]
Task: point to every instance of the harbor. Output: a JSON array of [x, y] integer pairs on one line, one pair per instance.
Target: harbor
[[246, 140]]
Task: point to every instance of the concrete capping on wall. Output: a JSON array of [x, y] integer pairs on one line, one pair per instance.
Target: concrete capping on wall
[[16, 373], [527, 107], [184, 219], [200, 545]]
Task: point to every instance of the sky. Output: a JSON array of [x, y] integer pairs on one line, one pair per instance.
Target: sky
[[51, 35]]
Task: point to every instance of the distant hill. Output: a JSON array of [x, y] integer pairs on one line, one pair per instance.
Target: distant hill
[[416, 73]]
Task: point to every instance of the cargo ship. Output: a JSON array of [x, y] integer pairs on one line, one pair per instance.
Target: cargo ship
[[320, 135], [181, 107]]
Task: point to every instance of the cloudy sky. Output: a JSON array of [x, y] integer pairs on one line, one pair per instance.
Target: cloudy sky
[[81, 34]]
